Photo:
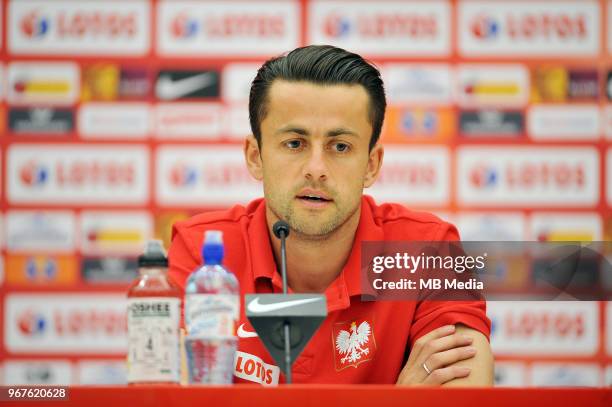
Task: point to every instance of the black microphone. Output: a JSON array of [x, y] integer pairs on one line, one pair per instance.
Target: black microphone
[[280, 227]]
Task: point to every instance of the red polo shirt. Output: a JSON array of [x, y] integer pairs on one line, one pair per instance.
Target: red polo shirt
[[390, 327]]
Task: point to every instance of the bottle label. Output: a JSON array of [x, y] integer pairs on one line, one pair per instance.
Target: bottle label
[[153, 339], [212, 315]]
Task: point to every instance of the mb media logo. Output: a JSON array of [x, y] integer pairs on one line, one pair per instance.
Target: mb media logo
[[34, 26], [31, 323], [33, 174], [184, 27], [483, 176], [484, 27], [337, 26], [182, 175]]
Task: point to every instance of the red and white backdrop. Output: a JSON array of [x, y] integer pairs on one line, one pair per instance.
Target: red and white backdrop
[[119, 117]]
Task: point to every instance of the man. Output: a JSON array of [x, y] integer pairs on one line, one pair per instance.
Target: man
[[316, 116]]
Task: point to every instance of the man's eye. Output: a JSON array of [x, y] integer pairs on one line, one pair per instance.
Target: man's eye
[[341, 147], [293, 144]]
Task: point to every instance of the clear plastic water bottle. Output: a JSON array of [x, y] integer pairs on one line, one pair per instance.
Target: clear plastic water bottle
[[212, 306], [154, 312]]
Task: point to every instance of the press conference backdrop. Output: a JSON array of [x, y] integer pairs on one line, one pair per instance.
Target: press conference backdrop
[[118, 118]]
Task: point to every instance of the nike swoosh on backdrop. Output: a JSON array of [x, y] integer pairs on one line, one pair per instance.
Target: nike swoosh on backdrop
[[243, 333], [256, 307], [169, 89]]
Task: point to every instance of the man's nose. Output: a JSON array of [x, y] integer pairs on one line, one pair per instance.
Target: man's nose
[[315, 167]]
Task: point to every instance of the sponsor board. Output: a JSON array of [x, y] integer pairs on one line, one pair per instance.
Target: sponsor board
[[40, 120], [236, 81], [2, 85], [503, 85], [608, 324], [199, 29], [537, 176], [37, 269], [114, 120], [196, 176], [40, 231], [609, 176], [109, 270], [43, 83], [418, 176], [491, 226], [565, 328], [1, 276], [104, 82], [531, 29], [608, 376], [566, 375], [101, 372], [491, 123], [65, 323], [74, 27], [236, 124], [418, 125], [178, 85], [384, 28], [102, 174], [56, 372], [418, 84], [606, 121], [163, 224], [189, 120], [565, 227], [510, 374], [103, 233], [564, 122]]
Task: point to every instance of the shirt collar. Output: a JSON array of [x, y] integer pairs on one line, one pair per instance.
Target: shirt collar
[[347, 284]]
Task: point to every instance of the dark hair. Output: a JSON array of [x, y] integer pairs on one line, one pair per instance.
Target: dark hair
[[319, 64]]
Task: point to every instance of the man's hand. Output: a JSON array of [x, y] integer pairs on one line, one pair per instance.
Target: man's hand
[[438, 351]]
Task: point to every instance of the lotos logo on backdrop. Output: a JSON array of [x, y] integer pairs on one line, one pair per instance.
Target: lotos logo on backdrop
[[33, 174], [184, 27], [337, 26], [483, 176], [34, 26], [484, 26], [182, 175], [31, 323], [381, 25]]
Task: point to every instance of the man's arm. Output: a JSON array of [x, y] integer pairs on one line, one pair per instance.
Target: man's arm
[[449, 356]]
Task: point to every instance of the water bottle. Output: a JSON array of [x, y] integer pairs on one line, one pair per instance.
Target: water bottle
[[212, 306], [154, 312]]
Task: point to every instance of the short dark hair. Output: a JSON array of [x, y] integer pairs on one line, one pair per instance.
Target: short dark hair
[[319, 64]]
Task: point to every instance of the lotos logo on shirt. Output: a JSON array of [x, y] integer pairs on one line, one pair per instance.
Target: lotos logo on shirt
[[252, 368], [33, 25], [353, 342]]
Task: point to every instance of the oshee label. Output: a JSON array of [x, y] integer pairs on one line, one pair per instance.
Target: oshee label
[[153, 339]]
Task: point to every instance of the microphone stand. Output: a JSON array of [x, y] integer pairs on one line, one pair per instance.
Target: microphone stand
[[282, 232]]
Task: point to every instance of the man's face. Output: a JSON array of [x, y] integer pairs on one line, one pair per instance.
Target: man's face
[[314, 159]]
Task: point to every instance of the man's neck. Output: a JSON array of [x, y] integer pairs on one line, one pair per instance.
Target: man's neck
[[313, 264]]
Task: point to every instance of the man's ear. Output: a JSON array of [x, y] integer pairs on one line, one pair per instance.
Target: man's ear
[[253, 158], [375, 161]]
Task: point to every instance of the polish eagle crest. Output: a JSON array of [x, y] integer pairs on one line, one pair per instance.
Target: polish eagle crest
[[352, 345]]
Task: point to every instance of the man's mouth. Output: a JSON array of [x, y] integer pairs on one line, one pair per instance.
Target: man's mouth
[[313, 198]]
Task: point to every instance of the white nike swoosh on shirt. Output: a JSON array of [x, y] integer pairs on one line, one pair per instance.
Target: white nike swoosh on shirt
[[168, 89], [243, 333], [256, 307]]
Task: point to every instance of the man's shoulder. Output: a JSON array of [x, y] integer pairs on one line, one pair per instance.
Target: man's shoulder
[[227, 220], [401, 223]]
